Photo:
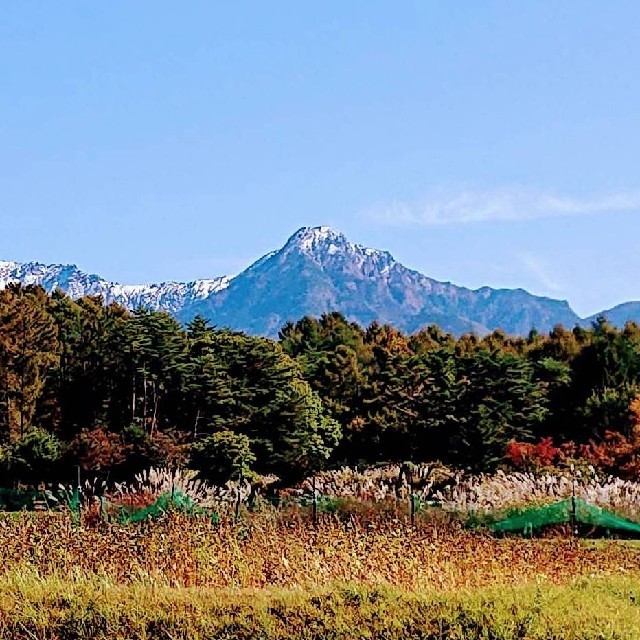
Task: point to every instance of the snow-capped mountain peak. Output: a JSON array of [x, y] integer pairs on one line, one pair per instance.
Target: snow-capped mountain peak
[[330, 248], [314, 239]]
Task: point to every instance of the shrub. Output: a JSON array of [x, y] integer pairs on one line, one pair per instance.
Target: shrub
[[222, 456], [34, 457]]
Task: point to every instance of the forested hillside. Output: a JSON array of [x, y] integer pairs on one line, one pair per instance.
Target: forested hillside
[[113, 391]]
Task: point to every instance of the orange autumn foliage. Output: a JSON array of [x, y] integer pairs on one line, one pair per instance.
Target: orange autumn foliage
[[526, 456], [619, 454]]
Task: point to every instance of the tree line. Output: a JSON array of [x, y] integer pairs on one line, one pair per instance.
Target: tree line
[[113, 391]]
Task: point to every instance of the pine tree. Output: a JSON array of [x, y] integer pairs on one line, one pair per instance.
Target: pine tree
[[29, 351]]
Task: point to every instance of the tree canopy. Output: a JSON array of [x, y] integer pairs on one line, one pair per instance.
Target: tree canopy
[[88, 384]]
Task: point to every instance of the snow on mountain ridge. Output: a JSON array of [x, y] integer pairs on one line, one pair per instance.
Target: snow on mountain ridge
[[166, 296]]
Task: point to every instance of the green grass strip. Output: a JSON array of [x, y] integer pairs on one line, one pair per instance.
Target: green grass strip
[[68, 609]]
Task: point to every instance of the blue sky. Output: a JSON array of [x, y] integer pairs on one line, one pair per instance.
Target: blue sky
[[488, 142]]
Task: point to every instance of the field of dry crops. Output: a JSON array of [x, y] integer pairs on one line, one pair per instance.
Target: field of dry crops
[[272, 552], [279, 577]]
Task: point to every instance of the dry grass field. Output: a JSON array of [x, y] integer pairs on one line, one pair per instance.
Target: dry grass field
[[268, 577]]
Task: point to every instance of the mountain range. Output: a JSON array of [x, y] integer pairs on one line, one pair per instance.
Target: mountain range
[[319, 270]]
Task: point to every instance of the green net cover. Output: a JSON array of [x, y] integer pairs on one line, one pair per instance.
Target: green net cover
[[169, 501], [563, 512]]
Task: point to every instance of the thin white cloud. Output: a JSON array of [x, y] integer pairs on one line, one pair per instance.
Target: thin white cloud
[[505, 205], [540, 270]]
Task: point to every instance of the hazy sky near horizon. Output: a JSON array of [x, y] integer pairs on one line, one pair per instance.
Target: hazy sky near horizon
[[481, 142]]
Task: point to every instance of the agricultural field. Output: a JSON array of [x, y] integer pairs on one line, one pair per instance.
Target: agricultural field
[[361, 571]]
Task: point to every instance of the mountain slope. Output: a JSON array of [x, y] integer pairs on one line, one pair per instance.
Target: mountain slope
[[621, 314], [318, 270]]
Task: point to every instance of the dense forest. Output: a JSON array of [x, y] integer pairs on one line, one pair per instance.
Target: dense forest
[[96, 386]]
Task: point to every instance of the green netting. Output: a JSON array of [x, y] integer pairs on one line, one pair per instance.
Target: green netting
[[73, 502], [564, 512], [169, 501], [22, 500]]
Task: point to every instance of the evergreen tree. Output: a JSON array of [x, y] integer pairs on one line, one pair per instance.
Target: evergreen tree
[[28, 354]]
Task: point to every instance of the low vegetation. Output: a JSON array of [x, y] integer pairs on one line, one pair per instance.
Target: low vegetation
[[54, 609]]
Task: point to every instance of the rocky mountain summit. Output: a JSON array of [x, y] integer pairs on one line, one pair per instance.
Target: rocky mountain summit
[[319, 270]]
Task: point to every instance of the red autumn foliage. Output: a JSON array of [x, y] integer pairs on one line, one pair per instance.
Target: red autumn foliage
[[526, 455], [617, 454]]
